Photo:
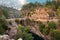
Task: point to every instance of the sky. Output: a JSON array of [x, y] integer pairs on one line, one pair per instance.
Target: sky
[[17, 4]]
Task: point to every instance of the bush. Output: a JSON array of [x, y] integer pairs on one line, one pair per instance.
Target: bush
[[23, 29], [55, 34], [46, 31], [18, 35], [22, 32], [17, 21], [51, 14], [10, 22], [27, 36], [1, 30], [41, 27], [3, 27], [19, 32], [51, 25]]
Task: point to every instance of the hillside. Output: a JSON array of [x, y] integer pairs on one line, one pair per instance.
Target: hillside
[[9, 12], [35, 21], [49, 16], [39, 13], [42, 14]]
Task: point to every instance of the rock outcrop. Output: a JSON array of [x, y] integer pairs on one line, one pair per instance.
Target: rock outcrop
[[5, 37]]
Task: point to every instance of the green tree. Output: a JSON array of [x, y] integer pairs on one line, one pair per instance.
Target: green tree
[[58, 12], [3, 27], [51, 4], [5, 13], [28, 8], [51, 14], [51, 25], [17, 21], [22, 32], [41, 27], [2, 30], [46, 31], [27, 36], [55, 34], [1, 14], [18, 35]]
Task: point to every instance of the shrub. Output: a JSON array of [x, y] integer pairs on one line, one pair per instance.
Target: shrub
[[41, 27], [51, 25], [18, 35], [22, 32], [10, 22], [1, 30], [27, 36], [55, 34], [46, 31], [3, 27], [17, 20]]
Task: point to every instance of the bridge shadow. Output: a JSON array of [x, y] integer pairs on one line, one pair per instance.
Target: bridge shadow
[[36, 37]]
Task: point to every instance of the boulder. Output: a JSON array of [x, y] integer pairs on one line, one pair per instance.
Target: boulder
[[20, 39]]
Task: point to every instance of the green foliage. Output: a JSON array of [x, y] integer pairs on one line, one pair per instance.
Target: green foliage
[[3, 27], [28, 8], [23, 29], [51, 14], [28, 21], [22, 32], [31, 6], [46, 31], [51, 25], [1, 13], [4, 13], [59, 22], [17, 20], [1, 30], [55, 34], [58, 12], [18, 35], [41, 27], [27, 36], [51, 4]]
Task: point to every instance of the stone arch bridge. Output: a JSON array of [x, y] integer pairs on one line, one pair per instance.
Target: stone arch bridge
[[32, 29]]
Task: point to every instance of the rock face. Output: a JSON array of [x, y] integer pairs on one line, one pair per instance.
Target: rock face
[[4, 37], [20, 39], [10, 12], [39, 14], [13, 29]]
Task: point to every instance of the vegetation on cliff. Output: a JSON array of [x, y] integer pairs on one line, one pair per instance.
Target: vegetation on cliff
[[34, 12]]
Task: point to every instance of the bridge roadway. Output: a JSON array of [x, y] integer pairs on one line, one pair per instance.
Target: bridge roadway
[[12, 19], [42, 20]]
